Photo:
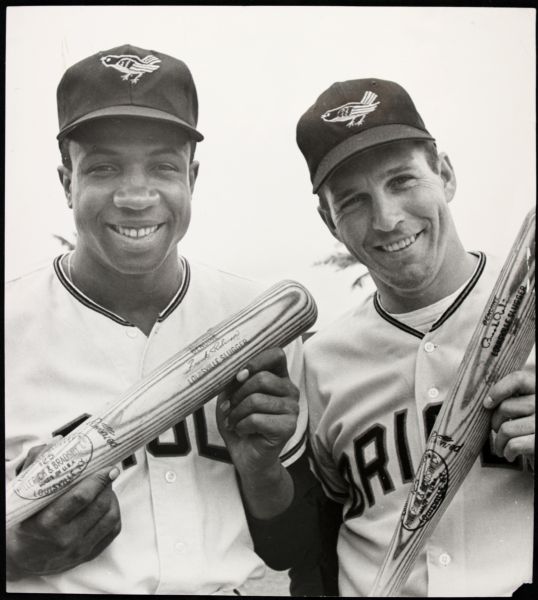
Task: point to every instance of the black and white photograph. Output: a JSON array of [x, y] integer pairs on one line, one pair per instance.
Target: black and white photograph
[[269, 300]]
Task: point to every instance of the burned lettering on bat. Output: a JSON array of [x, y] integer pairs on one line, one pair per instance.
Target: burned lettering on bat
[[429, 490]]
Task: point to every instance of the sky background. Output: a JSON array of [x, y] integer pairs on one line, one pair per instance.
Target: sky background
[[470, 71]]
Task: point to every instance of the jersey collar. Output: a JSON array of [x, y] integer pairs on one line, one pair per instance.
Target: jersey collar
[[91, 304], [448, 312]]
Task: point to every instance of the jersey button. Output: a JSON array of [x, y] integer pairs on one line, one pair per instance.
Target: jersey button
[[445, 559], [132, 332], [433, 392], [179, 547], [170, 476], [429, 347]]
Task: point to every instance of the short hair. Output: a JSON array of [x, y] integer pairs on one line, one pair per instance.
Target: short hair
[[432, 158], [66, 157], [64, 152]]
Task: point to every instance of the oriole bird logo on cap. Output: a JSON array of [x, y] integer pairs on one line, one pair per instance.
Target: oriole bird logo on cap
[[354, 112], [131, 66]]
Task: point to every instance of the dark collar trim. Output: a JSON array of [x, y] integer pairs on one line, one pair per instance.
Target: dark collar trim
[[448, 312], [464, 293], [385, 315], [83, 299], [180, 294]]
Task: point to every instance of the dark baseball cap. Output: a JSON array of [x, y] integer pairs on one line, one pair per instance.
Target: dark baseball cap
[[128, 82], [352, 116]]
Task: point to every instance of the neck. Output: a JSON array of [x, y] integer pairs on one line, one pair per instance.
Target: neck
[[137, 298], [455, 271]]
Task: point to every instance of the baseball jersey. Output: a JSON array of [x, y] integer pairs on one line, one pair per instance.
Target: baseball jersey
[[184, 530], [374, 387]]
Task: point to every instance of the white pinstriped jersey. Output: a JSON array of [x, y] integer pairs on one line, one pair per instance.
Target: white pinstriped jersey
[[184, 529], [374, 387]]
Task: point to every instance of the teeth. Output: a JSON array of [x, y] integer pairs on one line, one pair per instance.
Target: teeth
[[135, 233], [400, 245]]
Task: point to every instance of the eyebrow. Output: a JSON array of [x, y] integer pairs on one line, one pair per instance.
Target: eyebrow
[[342, 194], [165, 150], [155, 151], [98, 150], [397, 169]]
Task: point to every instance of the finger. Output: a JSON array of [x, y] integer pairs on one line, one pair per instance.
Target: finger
[[105, 542], [90, 526], [262, 404], [256, 376], [83, 548], [518, 383], [512, 429], [512, 408], [68, 505], [274, 428], [223, 403], [35, 452], [272, 359], [101, 505], [104, 529], [263, 382], [520, 446], [221, 414]]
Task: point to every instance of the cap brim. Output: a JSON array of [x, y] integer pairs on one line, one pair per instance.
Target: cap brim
[[132, 111], [369, 138]]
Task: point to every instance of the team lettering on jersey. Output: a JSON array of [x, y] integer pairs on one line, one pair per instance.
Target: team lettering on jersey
[[370, 460], [181, 446]]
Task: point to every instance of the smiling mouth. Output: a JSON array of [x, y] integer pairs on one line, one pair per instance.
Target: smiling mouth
[[135, 232], [400, 244]]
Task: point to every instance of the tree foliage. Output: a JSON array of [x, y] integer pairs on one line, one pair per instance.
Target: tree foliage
[[70, 245], [341, 259]]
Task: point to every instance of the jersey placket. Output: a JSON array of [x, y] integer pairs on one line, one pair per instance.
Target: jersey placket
[[444, 551], [173, 503], [176, 523]]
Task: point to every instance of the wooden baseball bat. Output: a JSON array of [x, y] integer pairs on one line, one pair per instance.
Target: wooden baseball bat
[[501, 343], [170, 393]]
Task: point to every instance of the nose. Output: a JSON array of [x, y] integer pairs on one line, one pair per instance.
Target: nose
[[136, 198], [135, 194], [386, 212]]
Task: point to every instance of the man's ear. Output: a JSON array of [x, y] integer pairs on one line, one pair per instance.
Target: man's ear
[[65, 179], [447, 175], [326, 216], [193, 173]]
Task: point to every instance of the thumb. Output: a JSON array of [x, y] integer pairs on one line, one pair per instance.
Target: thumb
[[106, 475], [82, 494]]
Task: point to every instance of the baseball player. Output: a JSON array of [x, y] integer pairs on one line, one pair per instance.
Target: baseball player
[[376, 378], [185, 513]]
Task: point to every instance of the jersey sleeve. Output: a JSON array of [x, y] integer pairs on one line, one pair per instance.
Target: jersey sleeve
[[295, 447], [321, 460]]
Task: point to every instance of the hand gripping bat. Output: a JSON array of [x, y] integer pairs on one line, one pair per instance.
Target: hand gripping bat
[[501, 343], [166, 396]]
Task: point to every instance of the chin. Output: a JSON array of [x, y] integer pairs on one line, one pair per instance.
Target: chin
[[413, 280], [136, 267]]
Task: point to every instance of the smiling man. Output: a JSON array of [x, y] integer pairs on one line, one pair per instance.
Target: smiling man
[[376, 378], [184, 514]]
